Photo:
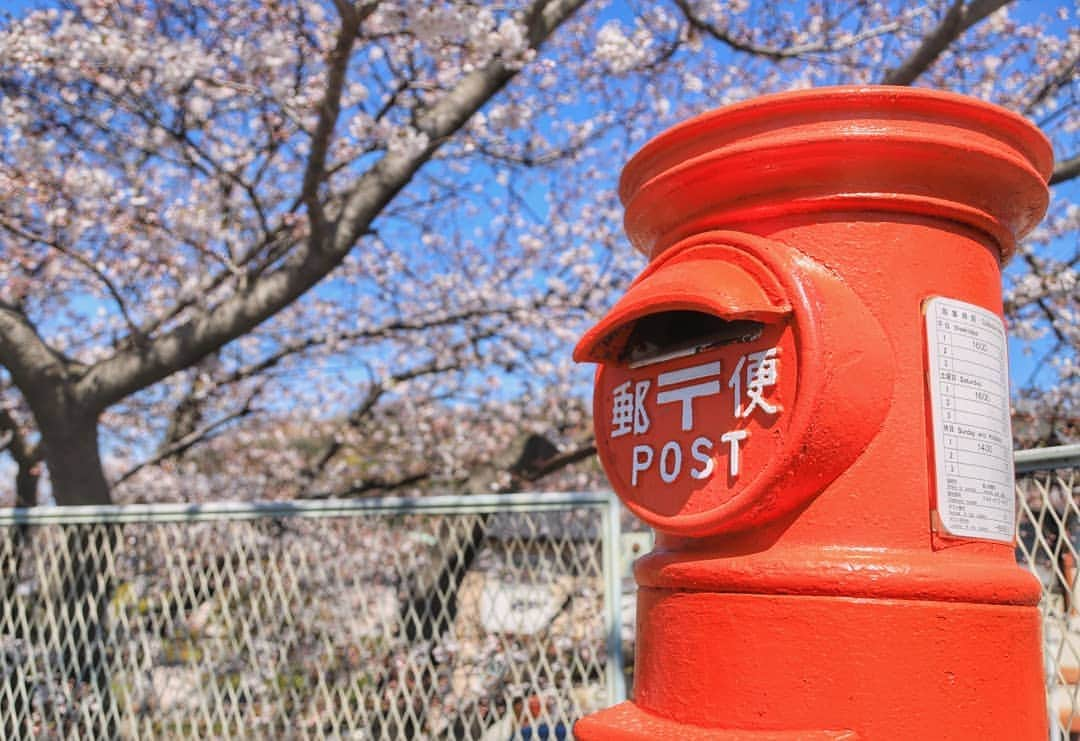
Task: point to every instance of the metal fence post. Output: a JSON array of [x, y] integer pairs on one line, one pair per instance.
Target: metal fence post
[[1047, 485], [616, 677]]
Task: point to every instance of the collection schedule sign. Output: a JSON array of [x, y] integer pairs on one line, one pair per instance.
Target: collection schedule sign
[[969, 398]]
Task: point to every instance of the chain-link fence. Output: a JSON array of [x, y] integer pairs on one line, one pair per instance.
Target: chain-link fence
[[442, 618], [491, 618], [1048, 528]]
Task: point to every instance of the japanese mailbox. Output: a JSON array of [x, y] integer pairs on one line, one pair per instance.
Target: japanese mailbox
[[805, 393]]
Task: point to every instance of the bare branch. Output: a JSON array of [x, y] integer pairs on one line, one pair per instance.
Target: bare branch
[[190, 440], [329, 109], [86, 262], [374, 484], [777, 53], [24, 353], [27, 458], [538, 470], [1066, 170], [958, 19]]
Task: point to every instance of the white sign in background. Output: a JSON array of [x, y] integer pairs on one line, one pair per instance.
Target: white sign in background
[[969, 399]]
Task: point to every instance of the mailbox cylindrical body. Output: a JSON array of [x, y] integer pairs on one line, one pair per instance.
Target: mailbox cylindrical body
[[806, 394]]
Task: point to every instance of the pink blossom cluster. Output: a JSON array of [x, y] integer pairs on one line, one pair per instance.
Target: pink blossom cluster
[[315, 248]]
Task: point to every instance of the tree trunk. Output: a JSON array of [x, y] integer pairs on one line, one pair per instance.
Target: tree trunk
[[426, 617], [71, 453], [18, 684], [26, 486], [82, 586], [82, 601]]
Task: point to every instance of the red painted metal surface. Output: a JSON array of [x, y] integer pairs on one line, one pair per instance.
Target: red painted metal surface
[[762, 401]]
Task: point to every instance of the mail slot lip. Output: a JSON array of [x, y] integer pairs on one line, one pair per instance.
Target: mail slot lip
[[714, 279], [761, 498]]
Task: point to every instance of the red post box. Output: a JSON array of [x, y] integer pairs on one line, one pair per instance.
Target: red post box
[[806, 394]]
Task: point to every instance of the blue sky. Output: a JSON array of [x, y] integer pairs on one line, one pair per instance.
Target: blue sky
[[1026, 358]]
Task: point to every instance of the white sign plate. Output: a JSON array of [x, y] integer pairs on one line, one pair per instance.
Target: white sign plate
[[525, 609], [969, 400]]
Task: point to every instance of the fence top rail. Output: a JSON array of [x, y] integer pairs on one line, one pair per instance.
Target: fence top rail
[[180, 512], [1042, 459], [1026, 461]]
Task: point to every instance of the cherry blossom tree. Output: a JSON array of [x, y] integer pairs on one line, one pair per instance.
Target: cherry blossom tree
[[311, 248]]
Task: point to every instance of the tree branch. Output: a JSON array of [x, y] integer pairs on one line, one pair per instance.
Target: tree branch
[[1066, 170], [190, 440], [374, 484], [329, 110], [777, 53], [1040, 301], [958, 19], [1065, 75], [134, 368], [86, 262], [438, 122], [359, 414], [303, 344], [16, 444], [537, 470], [26, 457], [24, 353], [311, 471]]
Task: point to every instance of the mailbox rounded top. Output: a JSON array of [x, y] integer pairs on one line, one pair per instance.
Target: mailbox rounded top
[[872, 148]]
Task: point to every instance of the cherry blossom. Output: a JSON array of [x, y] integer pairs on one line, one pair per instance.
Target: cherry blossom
[[333, 248]]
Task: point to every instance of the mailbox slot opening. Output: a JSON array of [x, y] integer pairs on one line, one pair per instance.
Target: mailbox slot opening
[[667, 335]]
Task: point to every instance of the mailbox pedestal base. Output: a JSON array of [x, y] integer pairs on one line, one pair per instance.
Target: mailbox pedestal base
[[628, 722], [756, 667]]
